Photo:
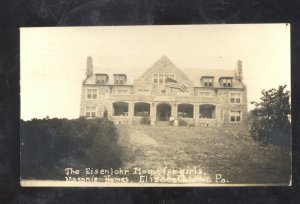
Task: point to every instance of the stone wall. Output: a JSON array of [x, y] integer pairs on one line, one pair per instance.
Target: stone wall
[[107, 95], [161, 67], [222, 103], [225, 106]]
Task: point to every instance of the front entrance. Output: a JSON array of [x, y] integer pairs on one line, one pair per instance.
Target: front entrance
[[163, 112]]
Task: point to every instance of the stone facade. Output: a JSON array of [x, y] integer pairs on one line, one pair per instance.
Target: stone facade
[[211, 97]]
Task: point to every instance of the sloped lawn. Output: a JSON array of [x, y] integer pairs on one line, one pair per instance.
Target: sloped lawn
[[227, 151]]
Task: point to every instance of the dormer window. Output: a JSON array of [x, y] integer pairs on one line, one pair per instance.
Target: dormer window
[[120, 79], [226, 81], [101, 78], [207, 81]]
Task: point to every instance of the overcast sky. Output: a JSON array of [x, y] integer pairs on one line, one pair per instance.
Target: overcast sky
[[53, 60]]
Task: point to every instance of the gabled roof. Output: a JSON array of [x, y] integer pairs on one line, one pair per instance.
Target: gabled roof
[[164, 66], [164, 63]]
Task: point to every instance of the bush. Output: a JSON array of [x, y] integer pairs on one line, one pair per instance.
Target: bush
[[269, 119], [145, 121], [182, 122], [50, 145]]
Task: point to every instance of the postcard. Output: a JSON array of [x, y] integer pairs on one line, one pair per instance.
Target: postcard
[[157, 106]]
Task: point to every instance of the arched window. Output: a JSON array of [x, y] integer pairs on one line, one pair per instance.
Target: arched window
[[185, 111], [120, 109], [142, 109], [207, 111]]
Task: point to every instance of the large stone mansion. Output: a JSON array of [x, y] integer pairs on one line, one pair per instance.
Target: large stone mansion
[[200, 97]]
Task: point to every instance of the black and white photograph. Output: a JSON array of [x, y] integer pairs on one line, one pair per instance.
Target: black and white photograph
[[155, 106]]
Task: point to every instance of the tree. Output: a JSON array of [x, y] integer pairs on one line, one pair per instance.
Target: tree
[[270, 121]]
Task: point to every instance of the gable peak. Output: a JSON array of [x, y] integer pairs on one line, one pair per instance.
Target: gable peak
[[164, 58], [163, 61]]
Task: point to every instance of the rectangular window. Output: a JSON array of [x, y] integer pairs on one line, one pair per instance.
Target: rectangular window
[[163, 91], [120, 79], [161, 78], [204, 94], [227, 82], [166, 77], [101, 79], [143, 91], [90, 111], [155, 78], [207, 81], [235, 98], [235, 116], [122, 92], [91, 94]]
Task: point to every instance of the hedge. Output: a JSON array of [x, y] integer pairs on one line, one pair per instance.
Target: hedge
[[50, 145]]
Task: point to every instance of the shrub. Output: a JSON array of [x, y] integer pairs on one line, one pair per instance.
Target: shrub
[[182, 122], [145, 121], [270, 123], [49, 146]]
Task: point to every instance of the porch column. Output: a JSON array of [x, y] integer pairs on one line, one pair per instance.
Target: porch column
[[130, 112], [196, 113], [153, 113], [174, 110], [111, 109]]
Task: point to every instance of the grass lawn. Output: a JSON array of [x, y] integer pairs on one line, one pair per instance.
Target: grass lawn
[[230, 152]]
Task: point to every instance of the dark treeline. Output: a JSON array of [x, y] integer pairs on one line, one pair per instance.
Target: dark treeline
[[49, 146]]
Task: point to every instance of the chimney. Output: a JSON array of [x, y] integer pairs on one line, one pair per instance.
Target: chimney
[[239, 70], [89, 66]]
